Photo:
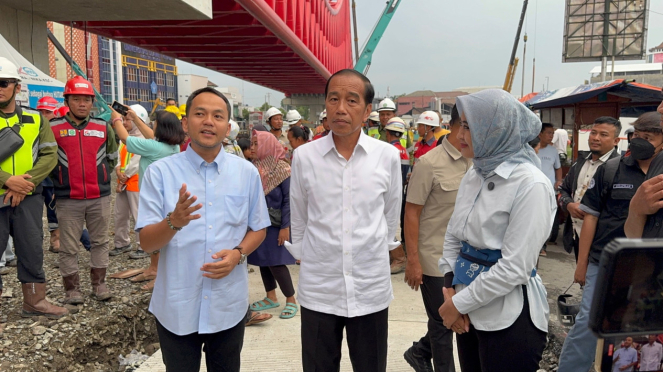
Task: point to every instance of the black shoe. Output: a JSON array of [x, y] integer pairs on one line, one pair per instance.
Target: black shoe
[[418, 362], [12, 263]]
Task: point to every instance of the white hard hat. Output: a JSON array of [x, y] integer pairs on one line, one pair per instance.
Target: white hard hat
[[386, 105], [234, 130], [374, 116], [272, 112], [430, 118], [396, 125], [141, 112], [323, 114], [292, 117], [8, 70]]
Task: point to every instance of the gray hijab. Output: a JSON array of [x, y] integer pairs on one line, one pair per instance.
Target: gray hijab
[[500, 127]]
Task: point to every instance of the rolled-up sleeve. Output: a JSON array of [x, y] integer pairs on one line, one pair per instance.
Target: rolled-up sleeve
[[151, 208], [258, 214], [392, 200], [298, 209], [528, 229]]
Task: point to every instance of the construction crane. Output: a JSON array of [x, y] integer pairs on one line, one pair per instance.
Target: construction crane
[[100, 103], [513, 62], [366, 56]]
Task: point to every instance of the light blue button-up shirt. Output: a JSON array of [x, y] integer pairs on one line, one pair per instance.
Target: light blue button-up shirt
[[233, 201]]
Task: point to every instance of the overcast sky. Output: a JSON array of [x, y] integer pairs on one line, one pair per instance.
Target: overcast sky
[[446, 44]]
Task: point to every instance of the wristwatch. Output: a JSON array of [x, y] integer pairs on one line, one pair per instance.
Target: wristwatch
[[242, 258]]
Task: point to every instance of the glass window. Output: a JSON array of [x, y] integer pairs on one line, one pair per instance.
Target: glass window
[[131, 74], [170, 80], [144, 95], [143, 76], [160, 78]]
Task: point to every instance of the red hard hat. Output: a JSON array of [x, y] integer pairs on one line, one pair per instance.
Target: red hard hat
[[62, 111], [78, 86], [47, 103]]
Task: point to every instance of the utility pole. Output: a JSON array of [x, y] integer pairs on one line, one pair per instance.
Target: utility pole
[[533, 71], [354, 20], [606, 30], [522, 85]]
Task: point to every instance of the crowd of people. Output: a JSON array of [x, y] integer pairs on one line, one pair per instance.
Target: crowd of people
[[367, 196]]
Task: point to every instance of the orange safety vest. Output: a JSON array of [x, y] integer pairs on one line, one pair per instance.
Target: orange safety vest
[[125, 156]]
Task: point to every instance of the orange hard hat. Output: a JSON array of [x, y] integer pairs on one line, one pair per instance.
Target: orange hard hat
[[78, 85], [62, 111], [47, 103]]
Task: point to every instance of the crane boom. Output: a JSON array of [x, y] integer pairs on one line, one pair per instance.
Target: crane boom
[[364, 60], [511, 70]]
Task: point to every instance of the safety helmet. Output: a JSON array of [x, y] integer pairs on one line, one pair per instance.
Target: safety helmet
[[374, 116], [386, 105], [61, 112], [47, 103], [8, 70], [323, 115], [141, 112], [430, 118], [567, 312], [292, 117], [183, 110], [273, 111], [630, 130], [79, 86], [396, 124], [174, 110], [234, 130]]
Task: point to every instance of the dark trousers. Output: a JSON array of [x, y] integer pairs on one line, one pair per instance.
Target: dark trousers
[[273, 274], [183, 353], [322, 336], [24, 224], [48, 192], [438, 341], [516, 348]]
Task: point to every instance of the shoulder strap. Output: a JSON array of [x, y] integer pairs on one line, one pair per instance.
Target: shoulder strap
[[610, 171]]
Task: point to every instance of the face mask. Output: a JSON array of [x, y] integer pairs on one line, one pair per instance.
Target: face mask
[[641, 149]]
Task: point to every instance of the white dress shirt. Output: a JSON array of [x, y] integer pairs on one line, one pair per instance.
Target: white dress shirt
[[584, 179], [344, 217], [512, 210], [561, 140], [650, 357]]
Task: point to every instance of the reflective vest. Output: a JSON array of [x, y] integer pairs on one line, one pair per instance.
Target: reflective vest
[[83, 171], [125, 157], [374, 132], [24, 159]]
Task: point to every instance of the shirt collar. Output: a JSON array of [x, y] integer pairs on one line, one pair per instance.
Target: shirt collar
[[451, 150], [603, 158], [68, 117], [197, 161], [430, 142], [327, 143], [505, 169]]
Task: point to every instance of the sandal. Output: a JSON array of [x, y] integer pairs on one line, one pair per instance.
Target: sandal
[[143, 278], [264, 304], [289, 311], [149, 286], [257, 317]]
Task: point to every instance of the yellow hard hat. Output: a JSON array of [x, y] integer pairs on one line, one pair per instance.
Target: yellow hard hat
[[183, 110], [174, 110]]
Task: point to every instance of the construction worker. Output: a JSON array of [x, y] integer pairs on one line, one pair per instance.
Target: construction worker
[[293, 117], [47, 106], [325, 125], [373, 125], [170, 102], [396, 129], [20, 191], [386, 110], [62, 111], [87, 153], [427, 122], [274, 118]]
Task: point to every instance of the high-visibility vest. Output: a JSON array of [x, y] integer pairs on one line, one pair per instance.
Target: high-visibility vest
[[125, 157], [25, 158], [374, 132]]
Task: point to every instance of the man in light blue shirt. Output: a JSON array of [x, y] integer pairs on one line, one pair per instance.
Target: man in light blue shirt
[[625, 358], [204, 232]]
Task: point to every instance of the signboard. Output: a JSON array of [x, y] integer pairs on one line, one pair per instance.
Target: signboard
[[605, 28], [134, 51], [34, 83]]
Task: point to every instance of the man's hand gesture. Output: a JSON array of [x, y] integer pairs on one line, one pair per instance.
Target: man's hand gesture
[[183, 213]]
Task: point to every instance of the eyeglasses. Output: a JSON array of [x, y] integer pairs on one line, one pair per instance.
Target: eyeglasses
[[5, 83]]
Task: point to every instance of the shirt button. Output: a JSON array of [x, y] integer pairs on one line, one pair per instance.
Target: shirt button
[[346, 209], [346, 253], [210, 203], [210, 227], [210, 181], [206, 297], [209, 251], [197, 170], [347, 188], [347, 273], [347, 231]]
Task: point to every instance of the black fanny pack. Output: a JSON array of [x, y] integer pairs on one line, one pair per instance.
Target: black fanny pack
[[10, 141], [275, 217]]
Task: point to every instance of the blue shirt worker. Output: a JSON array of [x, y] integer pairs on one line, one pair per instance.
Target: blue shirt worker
[[204, 232], [625, 358]]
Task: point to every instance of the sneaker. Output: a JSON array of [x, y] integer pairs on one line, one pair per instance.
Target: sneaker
[[417, 362], [398, 265], [4, 270], [119, 250], [12, 263], [137, 255], [543, 253]]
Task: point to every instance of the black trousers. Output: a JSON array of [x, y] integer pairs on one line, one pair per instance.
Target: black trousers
[[183, 353], [438, 341], [24, 224], [322, 336], [516, 348], [273, 274]]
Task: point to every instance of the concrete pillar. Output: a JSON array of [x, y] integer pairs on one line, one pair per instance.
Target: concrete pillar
[[26, 32], [315, 102]]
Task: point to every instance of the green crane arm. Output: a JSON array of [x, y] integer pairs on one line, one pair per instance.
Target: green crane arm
[[364, 61], [100, 103]]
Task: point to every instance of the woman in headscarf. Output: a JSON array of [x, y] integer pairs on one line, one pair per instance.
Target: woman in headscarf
[[269, 157], [504, 211]]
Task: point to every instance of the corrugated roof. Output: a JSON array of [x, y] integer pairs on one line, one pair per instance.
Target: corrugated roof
[[639, 67]]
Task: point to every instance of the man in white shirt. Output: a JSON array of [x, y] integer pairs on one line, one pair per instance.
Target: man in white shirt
[[550, 164], [342, 235], [651, 354], [561, 141]]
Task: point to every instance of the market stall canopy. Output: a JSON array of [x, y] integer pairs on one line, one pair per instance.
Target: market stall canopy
[[34, 83], [635, 93]]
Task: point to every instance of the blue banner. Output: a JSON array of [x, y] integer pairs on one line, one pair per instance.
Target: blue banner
[[36, 92]]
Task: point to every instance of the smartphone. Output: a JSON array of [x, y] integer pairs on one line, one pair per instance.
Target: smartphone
[[628, 299], [120, 108], [2, 201]]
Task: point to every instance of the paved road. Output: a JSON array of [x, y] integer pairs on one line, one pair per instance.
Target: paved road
[[274, 345]]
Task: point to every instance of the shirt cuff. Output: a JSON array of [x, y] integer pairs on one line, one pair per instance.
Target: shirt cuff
[[393, 245], [589, 210], [464, 301], [294, 249]]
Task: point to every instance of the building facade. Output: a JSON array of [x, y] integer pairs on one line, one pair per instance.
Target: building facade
[[147, 76]]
